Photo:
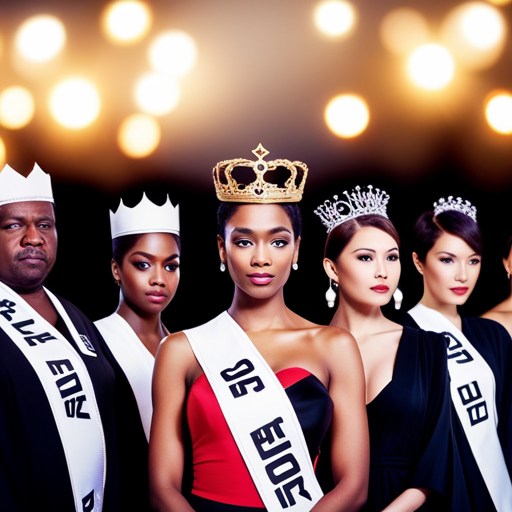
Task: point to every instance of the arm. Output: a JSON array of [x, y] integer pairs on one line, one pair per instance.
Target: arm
[[349, 442], [408, 501], [166, 451]]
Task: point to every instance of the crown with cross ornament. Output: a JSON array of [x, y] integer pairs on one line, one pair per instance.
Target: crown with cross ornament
[[261, 189], [355, 204]]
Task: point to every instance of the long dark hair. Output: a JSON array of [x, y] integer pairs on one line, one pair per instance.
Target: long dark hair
[[428, 228]]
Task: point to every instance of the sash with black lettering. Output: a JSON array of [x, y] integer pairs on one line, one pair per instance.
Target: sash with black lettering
[[473, 391], [259, 414], [68, 387], [135, 359]]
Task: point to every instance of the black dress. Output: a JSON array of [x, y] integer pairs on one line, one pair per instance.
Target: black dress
[[493, 343], [33, 469], [411, 444]]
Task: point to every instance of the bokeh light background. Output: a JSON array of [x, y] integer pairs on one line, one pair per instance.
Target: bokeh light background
[[115, 97]]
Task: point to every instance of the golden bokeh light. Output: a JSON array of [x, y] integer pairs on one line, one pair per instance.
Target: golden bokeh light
[[16, 107], [431, 67], [402, 30], [75, 103], [126, 21], [475, 33], [347, 115], [500, 2], [40, 38], [3, 153], [335, 18], [157, 94], [173, 53], [498, 112], [139, 135]]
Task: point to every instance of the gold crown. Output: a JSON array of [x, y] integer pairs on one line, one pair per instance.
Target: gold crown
[[259, 191]]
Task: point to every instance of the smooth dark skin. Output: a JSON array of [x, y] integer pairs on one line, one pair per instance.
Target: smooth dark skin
[[28, 249]]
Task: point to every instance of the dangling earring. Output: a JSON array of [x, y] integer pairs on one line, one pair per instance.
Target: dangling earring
[[295, 266], [508, 275], [398, 297], [330, 295], [222, 266], [118, 282]]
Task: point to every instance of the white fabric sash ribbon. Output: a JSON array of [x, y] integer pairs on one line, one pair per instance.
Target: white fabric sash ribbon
[[259, 414], [68, 387], [473, 391], [135, 359]]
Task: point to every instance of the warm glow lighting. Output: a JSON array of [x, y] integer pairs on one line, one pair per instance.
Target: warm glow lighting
[[431, 67], [402, 30], [475, 33], [75, 103], [16, 107], [156, 94], [139, 135], [3, 153], [498, 112], [173, 53], [126, 22], [347, 115], [40, 38], [500, 2], [335, 17]]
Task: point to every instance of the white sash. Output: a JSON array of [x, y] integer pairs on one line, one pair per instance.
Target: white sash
[[134, 358], [473, 391], [259, 414], [68, 387]]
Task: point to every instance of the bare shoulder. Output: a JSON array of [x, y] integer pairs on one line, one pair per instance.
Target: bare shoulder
[[175, 354]]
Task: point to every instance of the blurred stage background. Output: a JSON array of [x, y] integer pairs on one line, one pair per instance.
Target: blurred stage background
[[210, 79]]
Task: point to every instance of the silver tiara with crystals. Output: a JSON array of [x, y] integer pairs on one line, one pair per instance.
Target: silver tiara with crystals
[[456, 205], [355, 204]]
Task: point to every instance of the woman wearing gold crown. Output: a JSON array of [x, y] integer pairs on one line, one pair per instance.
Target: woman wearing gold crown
[[411, 449], [258, 384], [447, 246], [145, 265]]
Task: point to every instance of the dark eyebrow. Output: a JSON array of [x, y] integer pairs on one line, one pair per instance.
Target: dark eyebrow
[[172, 257], [46, 218], [151, 256], [279, 229], [273, 231], [448, 253], [363, 249]]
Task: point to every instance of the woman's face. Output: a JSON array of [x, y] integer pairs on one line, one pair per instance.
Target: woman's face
[[149, 273], [259, 249], [450, 271], [368, 268]]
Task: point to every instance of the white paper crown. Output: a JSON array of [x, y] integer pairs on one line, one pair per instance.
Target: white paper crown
[[456, 205], [146, 217], [358, 203], [15, 188]]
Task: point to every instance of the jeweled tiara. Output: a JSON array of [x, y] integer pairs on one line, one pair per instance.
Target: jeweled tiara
[[456, 205]]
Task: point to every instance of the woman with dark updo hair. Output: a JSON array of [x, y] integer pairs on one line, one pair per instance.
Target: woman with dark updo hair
[[447, 246], [146, 256], [258, 386], [502, 313], [411, 449]]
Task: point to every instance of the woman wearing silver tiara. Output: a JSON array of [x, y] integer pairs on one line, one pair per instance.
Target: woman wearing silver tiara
[[411, 449], [145, 265], [447, 246], [502, 313], [258, 384]]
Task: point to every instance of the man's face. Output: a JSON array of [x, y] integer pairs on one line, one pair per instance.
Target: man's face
[[28, 244]]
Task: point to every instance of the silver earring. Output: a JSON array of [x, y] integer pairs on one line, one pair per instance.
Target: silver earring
[[508, 275], [222, 266], [398, 297], [330, 295], [295, 266]]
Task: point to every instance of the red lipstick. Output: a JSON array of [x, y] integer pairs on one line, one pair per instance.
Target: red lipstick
[[380, 288]]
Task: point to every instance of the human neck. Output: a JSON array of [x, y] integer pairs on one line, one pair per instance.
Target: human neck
[[447, 310], [360, 321], [258, 314]]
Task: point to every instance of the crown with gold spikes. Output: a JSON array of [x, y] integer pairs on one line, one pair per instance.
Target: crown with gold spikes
[[456, 205], [146, 217], [15, 188], [357, 203], [259, 190]]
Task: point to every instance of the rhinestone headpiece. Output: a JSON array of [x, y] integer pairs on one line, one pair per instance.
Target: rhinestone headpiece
[[146, 217], [15, 188], [456, 205], [357, 203], [259, 190]]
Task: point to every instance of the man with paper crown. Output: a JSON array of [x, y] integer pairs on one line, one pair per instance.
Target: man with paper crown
[[71, 437]]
